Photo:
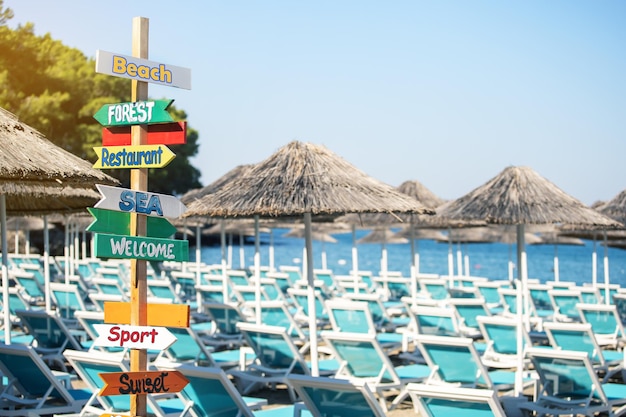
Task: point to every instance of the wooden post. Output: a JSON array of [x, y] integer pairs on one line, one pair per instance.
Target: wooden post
[[139, 182]]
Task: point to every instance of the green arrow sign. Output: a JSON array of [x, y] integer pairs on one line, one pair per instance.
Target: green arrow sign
[[118, 223], [136, 247], [135, 113]]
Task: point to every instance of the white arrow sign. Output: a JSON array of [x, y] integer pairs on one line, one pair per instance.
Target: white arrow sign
[[142, 202], [134, 337]]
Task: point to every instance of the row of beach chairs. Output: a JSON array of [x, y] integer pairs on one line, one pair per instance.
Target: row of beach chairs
[[394, 345]]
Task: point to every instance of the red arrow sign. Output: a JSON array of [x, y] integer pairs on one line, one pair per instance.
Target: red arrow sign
[[159, 134], [142, 382]]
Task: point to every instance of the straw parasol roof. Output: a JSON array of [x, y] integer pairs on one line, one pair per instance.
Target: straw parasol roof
[[198, 193], [385, 235], [303, 178], [412, 188], [418, 191], [518, 195], [615, 208], [40, 177]]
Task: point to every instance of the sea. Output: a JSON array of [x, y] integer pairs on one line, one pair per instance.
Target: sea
[[489, 260]]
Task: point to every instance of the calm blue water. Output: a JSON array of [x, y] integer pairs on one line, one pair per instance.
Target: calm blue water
[[486, 260]]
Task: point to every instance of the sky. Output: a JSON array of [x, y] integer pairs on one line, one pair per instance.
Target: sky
[[448, 93]]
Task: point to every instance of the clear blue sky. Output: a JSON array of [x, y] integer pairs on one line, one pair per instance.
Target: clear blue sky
[[448, 93]]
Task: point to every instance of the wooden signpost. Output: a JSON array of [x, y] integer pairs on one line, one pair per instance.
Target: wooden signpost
[[143, 382], [138, 155]]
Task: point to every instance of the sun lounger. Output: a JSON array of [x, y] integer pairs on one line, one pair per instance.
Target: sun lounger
[[362, 359], [446, 401], [568, 385], [32, 388]]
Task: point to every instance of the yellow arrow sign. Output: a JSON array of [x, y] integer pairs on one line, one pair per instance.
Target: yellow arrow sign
[[137, 156]]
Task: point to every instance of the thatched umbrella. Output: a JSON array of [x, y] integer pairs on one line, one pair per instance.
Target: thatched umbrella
[[519, 196], [303, 180], [198, 193], [411, 188], [38, 177]]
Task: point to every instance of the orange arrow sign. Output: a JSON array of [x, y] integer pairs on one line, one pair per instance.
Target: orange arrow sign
[[142, 382]]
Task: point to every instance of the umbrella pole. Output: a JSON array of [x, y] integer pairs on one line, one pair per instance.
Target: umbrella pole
[[257, 268], [607, 293], [225, 294], [242, 254], [308, 241], [198, 271], [324, 262], [594, 263], [355, 260], [230, 250], [459, 259], [66, 252], [450, 255], [556, 260], [5, 270], [521, 313], [83, 245], [271, 250], [511, 266], [16, 239], [46, 262], [414, 263], [466, 261], [384, 266]]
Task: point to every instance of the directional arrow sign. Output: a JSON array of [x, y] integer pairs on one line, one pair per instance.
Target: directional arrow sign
[[133, 337], [159, 134], [139, 69], [118, 223], [138, 156], [159, 314], [133, 247], [135, 113], [142, 382], [142, 202]]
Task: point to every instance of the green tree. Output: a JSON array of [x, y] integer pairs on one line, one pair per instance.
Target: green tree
[[55, 89]]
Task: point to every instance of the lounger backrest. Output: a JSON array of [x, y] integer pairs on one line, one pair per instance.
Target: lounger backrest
[[362, 355], [335, 397], [350, 316], [438, 401], [274, 348], [454, 359], [32, 377], [566, 374], [574, 336], [212, 393]]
